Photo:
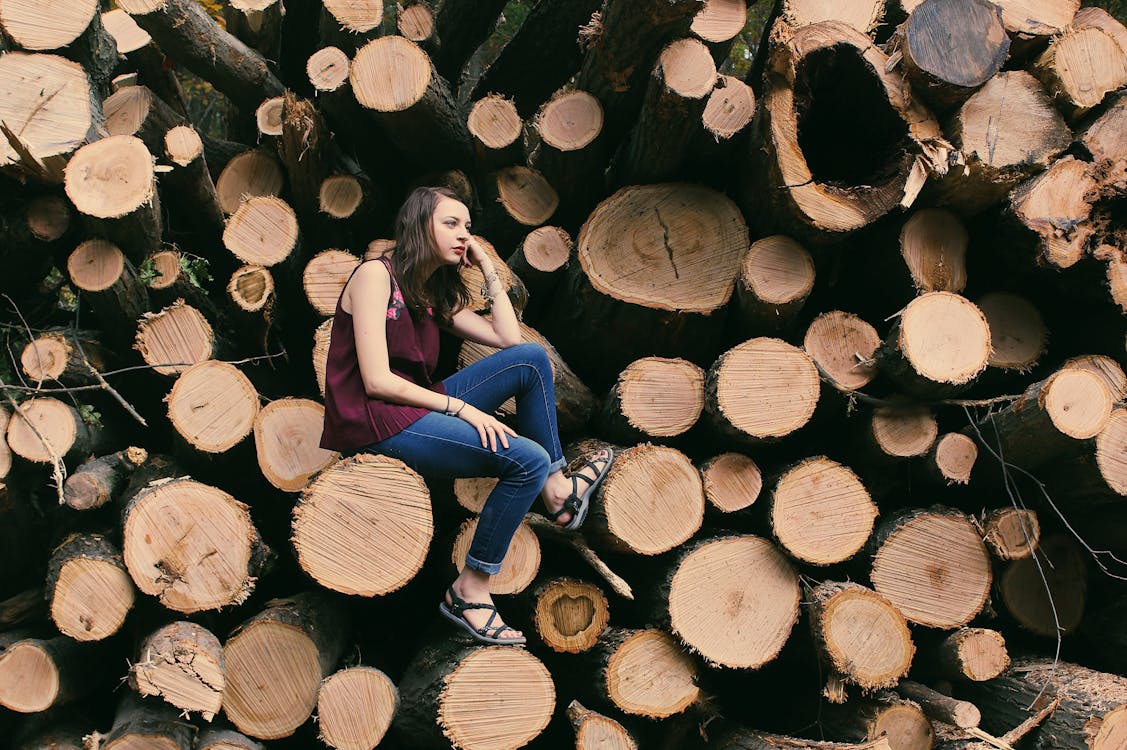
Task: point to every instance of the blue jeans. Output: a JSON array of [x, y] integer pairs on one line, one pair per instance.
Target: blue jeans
[[442, 446]]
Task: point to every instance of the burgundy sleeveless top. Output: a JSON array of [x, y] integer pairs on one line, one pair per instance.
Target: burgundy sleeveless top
[[353, 419]]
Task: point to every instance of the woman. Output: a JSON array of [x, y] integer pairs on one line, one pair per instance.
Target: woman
[[380, 396]]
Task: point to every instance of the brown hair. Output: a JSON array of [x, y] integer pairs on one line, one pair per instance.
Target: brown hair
[[444, 290]]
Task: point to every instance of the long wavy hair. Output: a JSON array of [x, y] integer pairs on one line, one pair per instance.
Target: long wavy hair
[[443, 290]]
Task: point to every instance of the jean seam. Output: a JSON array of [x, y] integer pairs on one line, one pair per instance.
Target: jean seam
[[543, 395]]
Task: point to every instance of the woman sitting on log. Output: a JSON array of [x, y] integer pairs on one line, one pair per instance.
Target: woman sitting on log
[[380, 396]]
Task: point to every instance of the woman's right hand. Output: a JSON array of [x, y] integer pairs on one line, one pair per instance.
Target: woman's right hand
[[489, 428]]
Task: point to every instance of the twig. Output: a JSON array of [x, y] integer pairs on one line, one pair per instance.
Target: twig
[[546, 529], [59, 469], [989, 739]]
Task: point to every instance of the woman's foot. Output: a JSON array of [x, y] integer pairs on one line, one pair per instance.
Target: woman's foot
[[559, 488], [468, 601]]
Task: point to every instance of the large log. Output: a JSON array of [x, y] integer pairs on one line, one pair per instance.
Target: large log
[[654, 397], [519, 567], [36, 674], [175, 338], [355, 707], [286, 436], [1081, 66], [1052, 209], [75, 31], [860, 635], [643, 673]]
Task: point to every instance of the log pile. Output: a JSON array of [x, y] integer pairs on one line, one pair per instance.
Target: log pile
[[852, 321]]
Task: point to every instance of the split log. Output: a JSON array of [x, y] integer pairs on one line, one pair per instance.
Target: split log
[[732, 482], [1052, 208], [933, 244], [174, 339], [363, 526], [1090, 715], [644, 673], [355, 707], [654, 397], [88, 587], [137, 111], [212, 406], [540, 262], [1018, 336], [36, 674], [324, 278], [320, 353], [1007, 131], [348, 24], [975, 654], [64, 356], [824, 74], [461, 28], [574, 400], [1011, 533], [49, 102], [950, 48], [860, 635], [842, 347], [108, 281], [674, 103], [219, 737], [650, 501], [141, 55], [731, 599], [252, 294], [941, 707], [901, 721], [497, 132], [473, 696], [190, 183], [1051, 419], [776, 277], [567, 614], [269, 697], [111, 182], [593, 730], [182, 664], [413, 105], [761, 390], [44, 429], [139, 722], [286, 436], [264, 231], [1046, 592], [304, 147], [514, 200], [932, 565], [252, 173], [185, 31], [1104, 138], [820, 512], [519, 567], [188, 563], [258, 24], [572, 151], [938, 346], [1080, 67]]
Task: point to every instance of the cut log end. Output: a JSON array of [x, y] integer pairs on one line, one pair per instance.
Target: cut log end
[[687, 68], [571, 615], [862, 635], [862, 16], [820, 512], [416, 23], [1060, 562], [390, 74], [126, 33], [325, 276], [340, 196], [1111, 452], [355, 707], [111, 178], [933, 244], [45, 357], [249, 174], [95, 265], [1011, 533], [268, 116], [1078, 402], [944, 337], [966, 59], [182, 663], [175, 339], [525, 195], [955, 456], [48, 217], [42, 430], [213, 405], [47, 100], [661, 397], [328, 69], [668, 684], [287, 433], [356, 16], [91, 598], [251, 288], [547, 249], [1017, 333], [976, 654], [719, 20], [262, 231], [1038, 17], [732, 482], [494, 122], [904, 431], [730, 107], [765, 388], [518, 568], [1107, 368], [842, 346], [777, 270], [29, 677], [653, 499]]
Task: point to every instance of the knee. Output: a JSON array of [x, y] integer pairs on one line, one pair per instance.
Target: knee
[[530, 460], [534, 354]]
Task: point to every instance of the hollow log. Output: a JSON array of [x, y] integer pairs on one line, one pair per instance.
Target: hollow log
[[761, 390], [572, 151], [1011, 533], [44, 429], [36, 674], [842, 347], [860, 635], [252, 294], [286, 436], [182, 664], [820, 512], [975, 654], [567, 614], [731, 599], [776, 277], [185, 31], [189, 564], [269, 697], [88, 587], [250, 174], [355, 707], [1046, 592], [112, 184], [593, 730], [212, 406], [732, 482], [497, 131], [655, 397], [643, 673], [932, 565], [351, 537], [519, 567], [174, 339]]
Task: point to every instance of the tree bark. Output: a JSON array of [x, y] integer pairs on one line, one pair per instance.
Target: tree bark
[[461, 28]]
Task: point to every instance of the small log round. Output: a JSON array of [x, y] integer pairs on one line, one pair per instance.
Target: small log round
[[951, 458], [539, 261], [416, 22], [287, 432], [268, 117], [275, 663], [325, 276], [59, 432], [363, 526], [761, 390], [842, 347], [933, 566], [137, 111], [1017, 332], [933, 244], [518, 569], [263, 231], [1080, 67], [569, 615], [191, 545], [902, 431], [572, 151], [645, 673], [247, 175], [109, 283], [171, 281], [190, 182], [595, 731], [719, 20], [355, 19], [733, 600], [902, 722], [182, 664], [860, 635], [776, 277], [1011, 533], [820, 512], [1058, 565], [732, 482], [212, 406], [655, 397], [355, 707], [88, 587], [340, 196], [175, 339], [59, 356], [730, 108], [472, 492], [497, 131], [517, 198], [37, 674], [938, 346], [976, 654]]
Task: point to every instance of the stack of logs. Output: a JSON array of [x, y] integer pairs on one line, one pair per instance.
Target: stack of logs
[[853, 325]]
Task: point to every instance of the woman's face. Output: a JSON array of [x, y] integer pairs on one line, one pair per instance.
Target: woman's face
[[451, 227]]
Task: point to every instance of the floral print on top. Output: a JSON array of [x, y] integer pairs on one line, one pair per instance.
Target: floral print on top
[[396, 304]]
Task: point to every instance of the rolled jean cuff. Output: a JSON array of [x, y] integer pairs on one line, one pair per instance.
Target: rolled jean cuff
[[474, 564], [556, 465]]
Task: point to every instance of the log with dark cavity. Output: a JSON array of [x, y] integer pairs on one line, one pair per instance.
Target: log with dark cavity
[[567, 614], [1011, 533]]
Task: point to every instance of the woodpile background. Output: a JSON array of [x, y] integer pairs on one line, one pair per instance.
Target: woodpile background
[[851, 312]]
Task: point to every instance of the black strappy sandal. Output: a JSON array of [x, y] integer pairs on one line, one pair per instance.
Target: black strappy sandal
[[487, 633], [578, 503]]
